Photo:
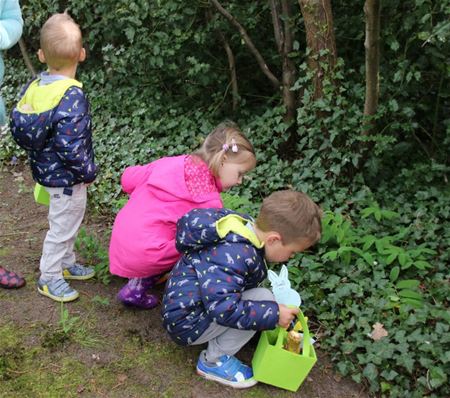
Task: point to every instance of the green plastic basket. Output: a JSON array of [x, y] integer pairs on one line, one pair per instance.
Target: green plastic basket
[[274, 365], [41, 195]]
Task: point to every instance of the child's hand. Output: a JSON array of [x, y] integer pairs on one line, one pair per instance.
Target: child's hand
[[287, 315]]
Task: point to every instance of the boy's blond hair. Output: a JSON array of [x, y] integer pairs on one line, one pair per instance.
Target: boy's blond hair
[[61, 41], [293, 215], [220, 142]]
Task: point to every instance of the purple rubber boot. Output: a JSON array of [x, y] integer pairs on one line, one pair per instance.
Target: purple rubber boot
[[134, 293]]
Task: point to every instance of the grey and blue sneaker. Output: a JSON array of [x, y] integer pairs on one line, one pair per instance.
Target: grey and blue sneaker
[[78, 272], [57, 289], [229, 371]]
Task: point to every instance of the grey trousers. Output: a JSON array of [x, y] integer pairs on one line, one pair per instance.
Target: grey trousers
[[223, 340], [65, 215]]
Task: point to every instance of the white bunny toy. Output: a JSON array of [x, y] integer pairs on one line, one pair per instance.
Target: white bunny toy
[[281, 287]]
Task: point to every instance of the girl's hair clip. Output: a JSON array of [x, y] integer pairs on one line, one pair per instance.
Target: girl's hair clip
[[234, 146], [225, 147]]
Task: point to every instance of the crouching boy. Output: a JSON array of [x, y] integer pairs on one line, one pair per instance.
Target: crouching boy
[[212, 295]]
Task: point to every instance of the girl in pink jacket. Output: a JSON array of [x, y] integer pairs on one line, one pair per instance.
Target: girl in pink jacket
[[142, 244]]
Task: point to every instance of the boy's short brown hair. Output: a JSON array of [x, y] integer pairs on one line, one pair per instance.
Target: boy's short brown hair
[[61, 41], [292, 214]]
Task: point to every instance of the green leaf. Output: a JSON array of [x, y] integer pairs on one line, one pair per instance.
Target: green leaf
[[421, 264], [393, 105], [407, 265], [369, 259], [346, 257], [367, 212], [130, 32], [340, 236], [428, 251], [370, 372], [408, 284], [385, 386], [391, 258], [381, 245], [389, 375], [402, 258], [398, 76], [377, 215], [389, 215], [407, 361], [410, 294], [394, 44], [368, 241], [412, 302], [330, 255], [437, 377], [393, 275]]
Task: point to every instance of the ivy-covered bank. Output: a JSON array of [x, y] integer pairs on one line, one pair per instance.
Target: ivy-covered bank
[[158, 89]]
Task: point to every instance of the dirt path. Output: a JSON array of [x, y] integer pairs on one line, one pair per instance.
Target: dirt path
[[95, 347]]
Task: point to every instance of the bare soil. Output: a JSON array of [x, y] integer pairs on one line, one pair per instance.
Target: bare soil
[[100, 348]]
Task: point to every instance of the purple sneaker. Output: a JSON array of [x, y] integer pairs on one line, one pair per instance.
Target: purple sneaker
[[134, 293]]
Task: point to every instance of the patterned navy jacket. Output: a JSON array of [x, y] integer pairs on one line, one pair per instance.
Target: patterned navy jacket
[[207, 282], [56, 133]]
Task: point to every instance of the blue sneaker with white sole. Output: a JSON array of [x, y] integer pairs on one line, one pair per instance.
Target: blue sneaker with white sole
[[78, 272], [229, 371], [57, 289]]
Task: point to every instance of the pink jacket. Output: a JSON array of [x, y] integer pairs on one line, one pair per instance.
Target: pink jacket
[[143, 236]]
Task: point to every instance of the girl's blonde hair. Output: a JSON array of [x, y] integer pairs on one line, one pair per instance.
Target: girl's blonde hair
[[225, 139], [61, 41]]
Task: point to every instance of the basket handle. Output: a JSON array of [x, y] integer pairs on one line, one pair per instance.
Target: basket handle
[[306, 336], [280, 337]]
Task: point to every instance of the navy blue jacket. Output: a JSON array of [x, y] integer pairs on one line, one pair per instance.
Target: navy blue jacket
[[59, 139], [207, 282]]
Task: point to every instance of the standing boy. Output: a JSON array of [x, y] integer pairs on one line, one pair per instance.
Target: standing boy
[[212, 295], [52, 122]]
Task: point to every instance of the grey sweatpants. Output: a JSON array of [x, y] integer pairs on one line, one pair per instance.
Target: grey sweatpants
[[223, 340], [65, 214]]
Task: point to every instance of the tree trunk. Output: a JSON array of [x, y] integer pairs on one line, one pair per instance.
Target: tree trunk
[[281, 20], [372, 46], [289, 70], [318, 19]]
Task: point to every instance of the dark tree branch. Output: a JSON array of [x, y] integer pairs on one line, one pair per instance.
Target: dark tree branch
[[232, 67], [278, 32], [262, 64], [231, 62]]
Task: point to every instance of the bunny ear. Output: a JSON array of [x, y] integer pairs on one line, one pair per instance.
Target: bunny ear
[[272, 276], [284, 274]]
